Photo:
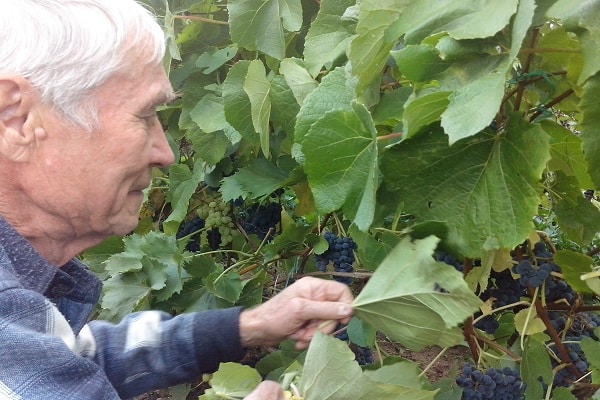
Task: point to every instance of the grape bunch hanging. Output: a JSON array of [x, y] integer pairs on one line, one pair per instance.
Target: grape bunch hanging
[[340, 253]]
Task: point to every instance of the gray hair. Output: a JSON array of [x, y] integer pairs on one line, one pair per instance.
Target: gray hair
[[68, 48]]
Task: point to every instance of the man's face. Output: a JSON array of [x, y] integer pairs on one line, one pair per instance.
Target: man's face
[[94, 181]]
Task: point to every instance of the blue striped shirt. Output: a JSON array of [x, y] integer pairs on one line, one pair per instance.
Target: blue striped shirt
[[48, 350]]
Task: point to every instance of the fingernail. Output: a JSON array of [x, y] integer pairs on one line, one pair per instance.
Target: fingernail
[[344, 310]]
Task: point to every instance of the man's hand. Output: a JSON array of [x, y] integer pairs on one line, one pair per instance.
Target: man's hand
[[266, 390], [308, 305]]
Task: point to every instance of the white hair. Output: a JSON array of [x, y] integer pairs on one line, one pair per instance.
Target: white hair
[[68, 48]]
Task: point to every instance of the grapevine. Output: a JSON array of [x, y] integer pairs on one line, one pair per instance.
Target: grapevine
[[395, 127]]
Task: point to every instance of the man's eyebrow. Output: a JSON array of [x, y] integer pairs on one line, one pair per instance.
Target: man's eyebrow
[[165, 97]]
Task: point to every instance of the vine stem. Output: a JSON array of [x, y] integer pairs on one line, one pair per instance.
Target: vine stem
[[562, 351], [502, 349], [200, 19], [396, 135], [552, 103], [470, 335], [548, 50], [437, 357], [358, 275], [526, 67]]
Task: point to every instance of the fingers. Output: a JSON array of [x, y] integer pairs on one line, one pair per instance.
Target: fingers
[[266, 390]]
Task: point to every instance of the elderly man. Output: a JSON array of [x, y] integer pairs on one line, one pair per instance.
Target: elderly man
[[80, 81]]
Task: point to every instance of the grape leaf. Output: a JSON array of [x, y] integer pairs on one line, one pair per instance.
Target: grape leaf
[[402, 300], [567, 154], [582, 19], [297, 78], [183, 184], [419, 62], [577, 217], [258, 179], [590, 127], [328, 35], [461, 20], [336, 89], [480, 96], [258, 87], [123, 294], [225, 286], [528, 323], [424, 110], [591, 349], [370, 48], [330, 373], [284, 106], [238, 109], [259, 24], [232, 381], [535, 365], [341, 164], [486, 188], [572, 266]]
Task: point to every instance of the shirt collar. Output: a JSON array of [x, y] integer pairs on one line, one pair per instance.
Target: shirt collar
[[73, 280]]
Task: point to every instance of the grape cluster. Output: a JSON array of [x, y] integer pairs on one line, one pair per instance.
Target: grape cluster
[[340, 252], [503, 288], [261, 219], [488, 324], [564, 377], [193, 228], [497, 384], [363, 355], [449, 259], [539, 271], [531, 275], [218, 222]]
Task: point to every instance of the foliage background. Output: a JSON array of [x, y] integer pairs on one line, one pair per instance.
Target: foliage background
[[470, 127]]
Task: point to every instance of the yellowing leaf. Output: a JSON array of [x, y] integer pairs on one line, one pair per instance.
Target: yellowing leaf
[[527, 322]]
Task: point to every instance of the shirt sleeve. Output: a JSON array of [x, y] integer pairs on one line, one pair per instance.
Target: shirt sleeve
[[37, 360], [41, 357], [152, 349]]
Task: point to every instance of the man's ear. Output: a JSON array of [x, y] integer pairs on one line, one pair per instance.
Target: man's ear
[[19, 120]]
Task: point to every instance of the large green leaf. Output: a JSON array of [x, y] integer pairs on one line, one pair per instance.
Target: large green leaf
[[328, 36], [415, 300], [284, 106], [590, 127], [297, 78], [424, 110], [479, 85], [342, 164], [259, 24], [567, 154], [258, 87], [582, 18], [183, 184], [330, 373], [371, 47], [336, 92], [232, 381], [469, 19], [123, 294], [486, 188], [535, 366], [572, 266], [577, 217], [258, 179], [238, 108]]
